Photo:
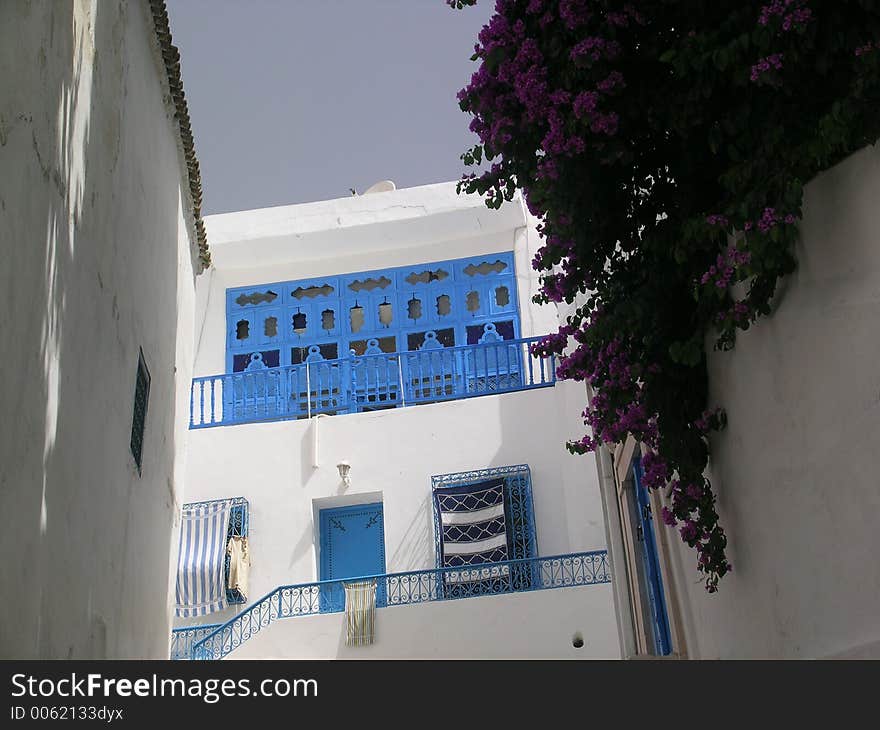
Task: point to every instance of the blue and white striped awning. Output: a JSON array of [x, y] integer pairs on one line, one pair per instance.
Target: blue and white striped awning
[[201, 587], [473, 525]]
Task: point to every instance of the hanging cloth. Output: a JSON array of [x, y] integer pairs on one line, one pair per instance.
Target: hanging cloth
[[239, 564], [360, 612], [201, 559]]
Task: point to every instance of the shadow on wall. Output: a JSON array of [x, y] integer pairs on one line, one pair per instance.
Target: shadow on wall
[[304, 546], [418, 538], [524, 440], [83, 573]]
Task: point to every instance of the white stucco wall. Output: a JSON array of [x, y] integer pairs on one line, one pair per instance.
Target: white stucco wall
[[536, 625], [96, 263], [393, 453], [795, 471]]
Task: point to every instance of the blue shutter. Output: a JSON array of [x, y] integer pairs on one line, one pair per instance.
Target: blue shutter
[[650, 560]]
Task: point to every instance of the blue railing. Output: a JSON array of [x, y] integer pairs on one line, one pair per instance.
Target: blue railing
[[182, 639], [401, 589], [367, 382]]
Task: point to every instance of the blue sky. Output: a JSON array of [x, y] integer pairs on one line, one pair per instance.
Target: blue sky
[[299, 100]]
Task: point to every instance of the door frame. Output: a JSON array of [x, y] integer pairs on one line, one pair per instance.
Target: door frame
[[653, 576]]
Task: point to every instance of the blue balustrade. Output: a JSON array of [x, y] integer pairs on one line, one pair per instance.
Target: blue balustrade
[[182, 639], [372, 381], [411, 587]]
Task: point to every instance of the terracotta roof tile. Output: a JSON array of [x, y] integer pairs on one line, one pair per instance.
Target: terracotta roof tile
[[171, 57]]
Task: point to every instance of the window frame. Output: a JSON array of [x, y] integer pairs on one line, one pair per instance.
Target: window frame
[[519, 508], [239, 526]]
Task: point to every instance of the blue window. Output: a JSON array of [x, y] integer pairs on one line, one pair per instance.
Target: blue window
[[238, 527], [484, 516], [648, 570], [239, 521], [395, 307]]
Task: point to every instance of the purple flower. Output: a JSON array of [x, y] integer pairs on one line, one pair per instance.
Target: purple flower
[[690, 531], [552, 286], [655, 470], [769, 218], [594, 48], [771, 62], [793, 14], [585, 103], [573, 13], [611, 82]]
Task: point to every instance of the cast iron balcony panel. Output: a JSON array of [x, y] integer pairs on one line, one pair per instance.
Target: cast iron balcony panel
[[400, 589], [373, 381], [182, 639]]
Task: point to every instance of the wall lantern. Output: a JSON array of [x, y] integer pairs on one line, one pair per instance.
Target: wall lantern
[[344, 472]]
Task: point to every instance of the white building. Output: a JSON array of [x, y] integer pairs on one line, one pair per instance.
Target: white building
[[100, 242], [383, 338], [794, 471]]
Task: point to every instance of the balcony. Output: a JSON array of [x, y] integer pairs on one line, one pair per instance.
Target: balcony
[[394, 589], [368, 382]]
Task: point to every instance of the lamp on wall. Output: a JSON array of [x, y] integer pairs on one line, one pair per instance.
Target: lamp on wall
[[345, 472]]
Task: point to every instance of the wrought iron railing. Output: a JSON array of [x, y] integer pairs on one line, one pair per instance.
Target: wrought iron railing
[[400, 589], [367, 382], [518, 506], [182, 639]]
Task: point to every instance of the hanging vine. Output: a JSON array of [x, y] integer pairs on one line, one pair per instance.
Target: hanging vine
[[665, 144]]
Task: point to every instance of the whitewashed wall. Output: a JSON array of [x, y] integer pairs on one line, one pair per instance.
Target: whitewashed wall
[[393, 453], [536, 625], [94, 263], [796, 470]]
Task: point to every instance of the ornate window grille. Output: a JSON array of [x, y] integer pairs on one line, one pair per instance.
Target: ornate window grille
[[396, 307], [519, 517]]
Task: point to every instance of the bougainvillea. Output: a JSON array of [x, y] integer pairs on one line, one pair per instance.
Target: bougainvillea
[[665, 144]]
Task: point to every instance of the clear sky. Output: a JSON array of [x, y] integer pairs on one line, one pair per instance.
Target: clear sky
[[299, 100]]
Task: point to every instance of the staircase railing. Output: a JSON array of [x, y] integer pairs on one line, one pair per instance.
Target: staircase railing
[[417, 586]]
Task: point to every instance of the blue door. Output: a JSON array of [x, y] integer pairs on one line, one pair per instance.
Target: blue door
[[651, 563], [352, 545]]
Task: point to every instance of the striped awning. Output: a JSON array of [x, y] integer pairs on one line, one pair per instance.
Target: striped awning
[[201, 588], [473, 526]]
